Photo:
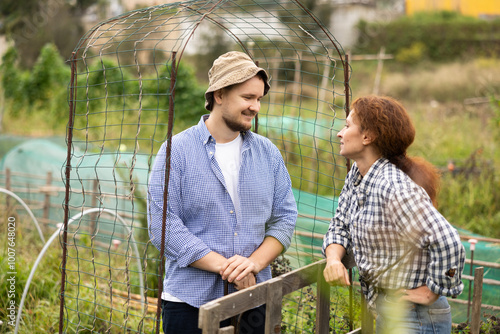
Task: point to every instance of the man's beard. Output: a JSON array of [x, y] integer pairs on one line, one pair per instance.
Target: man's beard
[[236, 126]]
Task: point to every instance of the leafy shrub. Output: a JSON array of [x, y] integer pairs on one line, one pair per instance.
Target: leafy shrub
[[446, 35], [49, 75], [477, 209], [490, 325], [496, 118], [43, 89], [413, 54], [102, 86]]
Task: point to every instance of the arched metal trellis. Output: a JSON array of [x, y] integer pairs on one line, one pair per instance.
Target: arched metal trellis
[[137, 79]]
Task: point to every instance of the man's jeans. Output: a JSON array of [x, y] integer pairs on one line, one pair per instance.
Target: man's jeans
[[409, 318], [183, 318]]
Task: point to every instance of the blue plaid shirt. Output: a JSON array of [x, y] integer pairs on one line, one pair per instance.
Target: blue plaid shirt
[[200, 213], [399, 240]]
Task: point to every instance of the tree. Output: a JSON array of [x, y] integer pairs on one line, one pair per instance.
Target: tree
[[33, 23]]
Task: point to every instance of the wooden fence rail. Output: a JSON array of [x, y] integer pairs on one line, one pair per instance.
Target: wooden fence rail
[[271, 293]]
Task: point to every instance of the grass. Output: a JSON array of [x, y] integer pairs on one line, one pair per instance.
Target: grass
[[89, 305], [40, 307]]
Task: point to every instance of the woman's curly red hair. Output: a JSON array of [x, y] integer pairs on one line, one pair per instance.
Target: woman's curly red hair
[[388, 122]]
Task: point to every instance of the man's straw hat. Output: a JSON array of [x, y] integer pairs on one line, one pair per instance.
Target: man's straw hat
[[229, 69]]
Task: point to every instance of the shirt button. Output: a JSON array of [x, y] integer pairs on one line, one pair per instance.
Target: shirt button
[[211, 153], [231, 211], [235, 234]]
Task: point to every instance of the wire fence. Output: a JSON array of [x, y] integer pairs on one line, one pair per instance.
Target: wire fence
[[133, 84]]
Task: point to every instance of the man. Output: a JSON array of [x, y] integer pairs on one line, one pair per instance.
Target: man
[[230, 207]]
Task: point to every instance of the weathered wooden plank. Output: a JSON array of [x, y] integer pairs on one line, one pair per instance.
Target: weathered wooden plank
[[226, 330], [273, 306], [366, 317], [208, 319], [322, 303], [240, 301], [300, 278], [475, 323]]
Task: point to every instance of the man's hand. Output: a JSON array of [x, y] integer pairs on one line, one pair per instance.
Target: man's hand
[[246, 282], [237, 267]]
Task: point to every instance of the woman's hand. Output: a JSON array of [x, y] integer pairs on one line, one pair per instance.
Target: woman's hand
[[421, 295], [335, 273]]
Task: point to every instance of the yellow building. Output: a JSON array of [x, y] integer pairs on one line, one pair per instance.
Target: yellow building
[[477, 8]]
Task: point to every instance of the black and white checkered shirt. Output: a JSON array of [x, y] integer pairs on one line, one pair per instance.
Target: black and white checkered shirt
[[399, 240]]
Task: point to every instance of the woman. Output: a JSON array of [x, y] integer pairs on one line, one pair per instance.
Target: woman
[[406, 252]]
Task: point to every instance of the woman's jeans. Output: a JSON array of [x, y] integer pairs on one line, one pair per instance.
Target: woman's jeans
[[181, 318], [404, 317]]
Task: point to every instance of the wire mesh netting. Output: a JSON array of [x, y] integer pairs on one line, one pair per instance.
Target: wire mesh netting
[[134, 85]]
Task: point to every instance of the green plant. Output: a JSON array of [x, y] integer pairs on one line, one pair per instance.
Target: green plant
[[476, 208], [299, 311], [490, 325], [48, 77], [495, 120], [412, 54], [44, 289], [446, 35]]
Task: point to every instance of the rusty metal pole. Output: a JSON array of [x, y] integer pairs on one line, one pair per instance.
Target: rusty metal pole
[[69, 140], [348, 165], [347, 105], [173, 78], [256, 119]]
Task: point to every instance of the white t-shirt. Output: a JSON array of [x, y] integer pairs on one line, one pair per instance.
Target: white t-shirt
[[228, 156]]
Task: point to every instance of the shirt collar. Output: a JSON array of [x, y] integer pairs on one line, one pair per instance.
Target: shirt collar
[[365, 182]]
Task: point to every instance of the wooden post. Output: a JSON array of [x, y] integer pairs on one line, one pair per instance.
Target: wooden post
[[296, 79], [322, 304], [93, 203], [351, 300], [170, 130], [210, 320], [274, 300], [477, 300], [274, 76], [378, 74], [46, 204], [226, 330], [324, 82], [366, 317]]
